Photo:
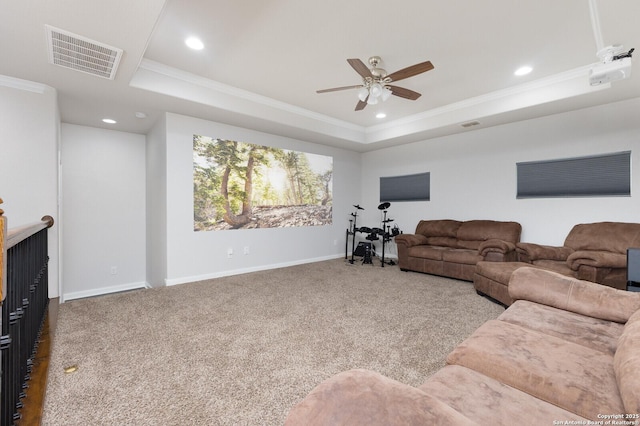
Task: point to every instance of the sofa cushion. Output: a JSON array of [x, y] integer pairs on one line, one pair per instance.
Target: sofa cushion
[[559, 266], [582, 297], [571, 376], [498, 271], [590, 332], [442, 241], [468, 257], [466, 244], [482, 230], [615, 237], [427, 252], [438, 228], [362, 397], [477, 396], [626, 365]]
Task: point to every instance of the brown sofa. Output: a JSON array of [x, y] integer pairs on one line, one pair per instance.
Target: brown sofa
[[566, 352], [592, 251], [452, 248]]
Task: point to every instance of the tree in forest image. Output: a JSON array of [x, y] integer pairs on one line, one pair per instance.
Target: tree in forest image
[[241, 185]]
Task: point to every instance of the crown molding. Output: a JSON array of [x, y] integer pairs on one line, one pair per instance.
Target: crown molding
[[20, 84], [532, 86], [246, 95], [555, 87], [559, 86]]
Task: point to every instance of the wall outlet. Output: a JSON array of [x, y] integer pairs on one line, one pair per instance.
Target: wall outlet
[[246, 249], [335, 242], [114, 270], [230, 252]]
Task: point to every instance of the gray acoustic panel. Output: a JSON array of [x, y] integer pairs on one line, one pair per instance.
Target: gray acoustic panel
[[415, 187], [599, 175]]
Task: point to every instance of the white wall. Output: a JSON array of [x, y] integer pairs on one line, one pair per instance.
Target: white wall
[[473, 175], [103, 209], [29, 128], [156, 162], [197, 255]]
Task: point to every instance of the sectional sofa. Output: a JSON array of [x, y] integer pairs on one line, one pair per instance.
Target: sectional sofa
[[566, 351], [591, 251]]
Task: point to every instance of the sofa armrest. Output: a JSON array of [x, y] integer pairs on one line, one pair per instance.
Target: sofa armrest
[[495, 245], [410, 240], [570, 294], [597, 259], [362, 397], [528, 252]]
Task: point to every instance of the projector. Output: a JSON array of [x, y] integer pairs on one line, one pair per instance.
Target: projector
[[607, 72]]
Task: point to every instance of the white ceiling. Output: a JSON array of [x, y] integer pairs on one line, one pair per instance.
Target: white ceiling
[[264, 60]]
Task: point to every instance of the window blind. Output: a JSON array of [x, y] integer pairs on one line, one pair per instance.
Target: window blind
[[415, 187], [599, 175]]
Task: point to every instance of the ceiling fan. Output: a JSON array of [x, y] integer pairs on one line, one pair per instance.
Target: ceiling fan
[[375, 82]]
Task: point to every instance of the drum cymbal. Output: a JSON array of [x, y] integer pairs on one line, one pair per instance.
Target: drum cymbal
[[365, 230], [384, 206]]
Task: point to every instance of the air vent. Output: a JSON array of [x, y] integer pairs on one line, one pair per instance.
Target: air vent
[[82, 54], [470, 124]]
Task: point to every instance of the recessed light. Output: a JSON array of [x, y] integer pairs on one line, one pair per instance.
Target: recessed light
[[194, 43], [141, 114], [109, 121], [381, 115], [523, 70]]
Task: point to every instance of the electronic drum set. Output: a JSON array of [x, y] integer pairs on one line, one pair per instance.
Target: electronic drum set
[[366, 249]]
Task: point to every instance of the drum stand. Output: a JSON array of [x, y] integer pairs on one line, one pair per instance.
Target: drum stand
[[386, 234], [352, 231]]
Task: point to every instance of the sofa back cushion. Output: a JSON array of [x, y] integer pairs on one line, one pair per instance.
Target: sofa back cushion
[[447, 228], [473, 232], [574, 295], [615, 237], [442, 241], [626, 365]]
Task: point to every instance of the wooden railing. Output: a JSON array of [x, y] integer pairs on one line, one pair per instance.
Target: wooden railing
[[23, 304]]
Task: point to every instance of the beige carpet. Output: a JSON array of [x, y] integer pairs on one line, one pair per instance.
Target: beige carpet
[[242, 350]]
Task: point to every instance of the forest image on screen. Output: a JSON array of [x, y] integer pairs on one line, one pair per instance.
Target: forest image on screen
[[239, 185]]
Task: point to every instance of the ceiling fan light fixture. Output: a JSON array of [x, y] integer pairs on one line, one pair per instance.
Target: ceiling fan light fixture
[[386, 93], [376, 90], [363, 93]]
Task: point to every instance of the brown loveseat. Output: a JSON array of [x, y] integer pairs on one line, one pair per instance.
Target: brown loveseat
[[592, 251], [566, 352], [452, 248]]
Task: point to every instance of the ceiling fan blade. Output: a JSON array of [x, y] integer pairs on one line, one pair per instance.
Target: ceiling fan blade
[[411, 71], [360, 67], [361, 104], [335, 89], [403, 92]]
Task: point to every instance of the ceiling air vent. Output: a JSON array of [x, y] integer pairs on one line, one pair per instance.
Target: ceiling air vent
[[81, 54]]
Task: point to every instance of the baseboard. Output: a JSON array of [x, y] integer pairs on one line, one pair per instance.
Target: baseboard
[[184, 280], [104, 290]]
